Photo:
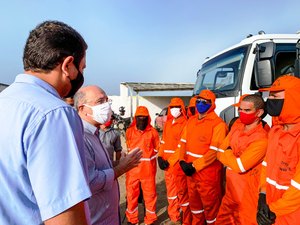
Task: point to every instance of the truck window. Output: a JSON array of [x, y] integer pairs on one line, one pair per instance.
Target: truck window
[[222, 74], [283, 61]]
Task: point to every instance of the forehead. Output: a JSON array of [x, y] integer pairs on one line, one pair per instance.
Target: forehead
[[277, 94], [95, 94], [246, 105]]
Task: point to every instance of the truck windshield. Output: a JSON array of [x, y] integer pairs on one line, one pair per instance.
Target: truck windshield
[[221, 74]]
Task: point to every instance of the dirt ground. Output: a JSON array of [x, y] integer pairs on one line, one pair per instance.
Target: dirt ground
[[161, 209]]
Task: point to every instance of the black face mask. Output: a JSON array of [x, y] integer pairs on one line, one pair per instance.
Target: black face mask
[[141, 123], [75, 84], [192, 110], [274, 106]]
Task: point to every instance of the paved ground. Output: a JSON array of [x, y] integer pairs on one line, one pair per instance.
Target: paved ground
[[161, 197]]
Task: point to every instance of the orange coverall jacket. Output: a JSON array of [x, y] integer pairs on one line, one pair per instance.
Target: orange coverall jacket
[[199, 145], [171, 137], [144, 174], [242, 153], [280, 177]]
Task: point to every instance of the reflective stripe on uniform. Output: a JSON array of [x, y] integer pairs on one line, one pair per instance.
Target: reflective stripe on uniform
[[197, 211], [149, 211], [169, 151], [295, 184], [211, 221], [148, 159], [185, 204], [183, 140], [264, 163], [194, 155], [240, 164], [221, 150], [172, 197], [213, 148], [277, 186], [132, 211]]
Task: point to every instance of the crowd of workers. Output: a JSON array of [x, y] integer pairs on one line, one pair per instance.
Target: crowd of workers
[[57, 165]]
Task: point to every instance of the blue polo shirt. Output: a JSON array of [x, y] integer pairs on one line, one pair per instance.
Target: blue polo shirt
[[42, 166]]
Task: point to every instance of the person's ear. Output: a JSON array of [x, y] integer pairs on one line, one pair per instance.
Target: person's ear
[[260, 112], [66, 65]]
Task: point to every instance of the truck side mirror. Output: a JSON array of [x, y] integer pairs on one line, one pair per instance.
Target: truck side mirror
[[264, 67], [297, 61]]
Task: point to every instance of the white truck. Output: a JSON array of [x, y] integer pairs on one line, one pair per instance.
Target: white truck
[[245, 67]]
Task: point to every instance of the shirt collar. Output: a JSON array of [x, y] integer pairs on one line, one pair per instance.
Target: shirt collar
[[89, 128], [31, 79]]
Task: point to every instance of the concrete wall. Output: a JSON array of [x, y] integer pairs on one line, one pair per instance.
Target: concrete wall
[[154, 103]]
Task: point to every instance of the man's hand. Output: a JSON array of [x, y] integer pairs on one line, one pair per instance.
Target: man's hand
[[264, 215], [163, 164], [128, 161], [187, 168]]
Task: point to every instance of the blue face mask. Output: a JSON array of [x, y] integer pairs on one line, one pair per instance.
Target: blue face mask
[[202, 107]]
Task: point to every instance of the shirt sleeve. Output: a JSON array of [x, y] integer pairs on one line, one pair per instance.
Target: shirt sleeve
[[219, 134], [180, 150], [290, 200], [156, 140], [56, 163], [162, 143], [250, 157], [99, 179], [117, 143]]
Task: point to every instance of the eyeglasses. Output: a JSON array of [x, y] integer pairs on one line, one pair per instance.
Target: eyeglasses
[[103, 100], [204, 101]]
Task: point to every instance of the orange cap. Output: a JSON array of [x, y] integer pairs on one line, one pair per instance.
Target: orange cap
[[282, 83], [241, 99], [208, 95], [141, 111]]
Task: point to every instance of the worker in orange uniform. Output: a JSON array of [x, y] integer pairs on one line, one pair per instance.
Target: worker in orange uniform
[[141, 134], [263, 123], [191, 109], [242, 152], [198, 153], [174, 177], [279, 198]]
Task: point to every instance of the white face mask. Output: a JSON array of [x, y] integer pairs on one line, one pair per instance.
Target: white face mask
[[101, 112], [175, 112]]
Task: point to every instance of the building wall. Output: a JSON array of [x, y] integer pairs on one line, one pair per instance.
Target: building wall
[[154, 104]]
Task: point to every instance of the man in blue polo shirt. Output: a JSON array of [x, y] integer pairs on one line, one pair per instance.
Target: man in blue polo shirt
[[42, 166]]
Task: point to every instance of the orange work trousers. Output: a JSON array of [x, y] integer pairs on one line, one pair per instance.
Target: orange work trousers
[[144, 174], [205, 194]]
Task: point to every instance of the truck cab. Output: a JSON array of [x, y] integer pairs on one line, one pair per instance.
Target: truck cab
[[245, 67]]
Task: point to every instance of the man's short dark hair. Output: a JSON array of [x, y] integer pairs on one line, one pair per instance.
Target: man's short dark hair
[[257, 101], [49, 44]]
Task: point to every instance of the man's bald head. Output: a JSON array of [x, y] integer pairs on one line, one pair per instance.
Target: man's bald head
[[89, 94]]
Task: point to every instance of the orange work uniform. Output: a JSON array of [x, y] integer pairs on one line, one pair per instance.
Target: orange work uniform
[[280, 177], [144, 174], [174, 177], [244, 152], [199, 144], [191, 109]]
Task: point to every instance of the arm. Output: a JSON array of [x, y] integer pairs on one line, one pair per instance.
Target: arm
[[128, 161], [72, 216], [251, 156], [180, 150], [162, 144], [210, 156], [60, 157], [290, 200], [99, 178], [118, 146]]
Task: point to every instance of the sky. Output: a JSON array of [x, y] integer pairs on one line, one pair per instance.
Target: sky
[[143, 40]]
